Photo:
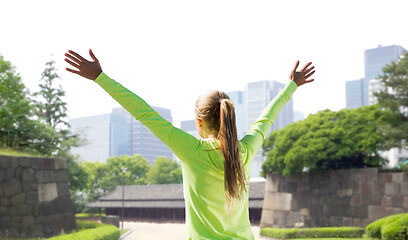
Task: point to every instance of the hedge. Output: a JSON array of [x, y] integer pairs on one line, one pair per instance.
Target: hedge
[[89, 230], [330, 232], [394, 227], [342, 232]]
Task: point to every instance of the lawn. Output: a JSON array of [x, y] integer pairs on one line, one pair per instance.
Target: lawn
[[11, 152]]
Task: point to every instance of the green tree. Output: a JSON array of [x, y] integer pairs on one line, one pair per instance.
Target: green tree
[[18, 128], [51, 110], [137, 167], [348, 138], [394, 97], [164, 171]]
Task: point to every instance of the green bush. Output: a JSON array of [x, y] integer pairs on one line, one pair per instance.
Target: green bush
[[390, 227], [342, 232], [89, 230]]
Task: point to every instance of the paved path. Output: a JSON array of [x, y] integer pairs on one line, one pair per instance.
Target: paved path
[[167, 231]]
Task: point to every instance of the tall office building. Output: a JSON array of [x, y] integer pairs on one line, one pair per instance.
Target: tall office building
[[141, 140], [257, 96], [361, 92], [375, 59], [105, 136], [189, 126]]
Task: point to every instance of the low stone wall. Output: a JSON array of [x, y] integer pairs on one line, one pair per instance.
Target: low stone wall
[[34, 197], [353, 197]]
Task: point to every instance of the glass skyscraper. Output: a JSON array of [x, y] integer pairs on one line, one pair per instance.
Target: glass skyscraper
[[238, 98], [375, 59], [256, 97], [105, 136]]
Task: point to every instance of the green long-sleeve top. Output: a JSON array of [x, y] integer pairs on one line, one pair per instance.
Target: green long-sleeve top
[[203, 164]]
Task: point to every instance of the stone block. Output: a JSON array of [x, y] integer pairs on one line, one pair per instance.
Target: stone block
[[60, 164], [26, 186], [344, 192], [48, 192], [392, 188], [3, 211], [347, 221], [305, 212], [356, 200], [376, 212], [274, 218], [393, 211], [324, 221], [25, 210], [36, 230], [365, 174], [24, 162], [34, 186], [63, 189], [1, 191], [400, 177], [277, 201], [367, 221], [28, 220], [385, 177], [404, 189], [18, 200], [397, 201], [13, 162], [1, 175], [360, 212], [4, 202], [374, 199], [17, 221], [4, 162], [12, 211], [28, 174], [272, 182], [11, 188], [10, 173], [43, 163], [405, 202], [336, 221], [357, 222], [6, 221], [32, 197], [386, 201]]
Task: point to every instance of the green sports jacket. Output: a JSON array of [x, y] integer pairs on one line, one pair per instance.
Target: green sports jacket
[[203, 165]]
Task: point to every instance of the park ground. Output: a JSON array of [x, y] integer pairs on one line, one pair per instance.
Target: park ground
[[168, 231]]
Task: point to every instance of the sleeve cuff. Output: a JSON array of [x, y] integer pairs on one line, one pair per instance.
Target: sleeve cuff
[[101, 77], [290, 87]]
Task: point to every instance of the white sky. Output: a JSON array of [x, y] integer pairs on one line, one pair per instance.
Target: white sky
[[170, 51]]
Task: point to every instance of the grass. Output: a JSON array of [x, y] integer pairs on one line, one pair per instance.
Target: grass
[[123, 231], [12, 152]]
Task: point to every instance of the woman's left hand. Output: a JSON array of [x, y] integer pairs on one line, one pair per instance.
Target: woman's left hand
[[87, 69]]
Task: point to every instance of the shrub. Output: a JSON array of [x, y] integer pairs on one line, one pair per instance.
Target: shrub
[[389, 227], [343, 232], [89, 230]]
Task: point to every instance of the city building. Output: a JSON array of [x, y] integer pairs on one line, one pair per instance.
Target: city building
[[375, 59], [298, 116], [105, 136], [257, 96], [141, 140], [189, 126], [361, 92]]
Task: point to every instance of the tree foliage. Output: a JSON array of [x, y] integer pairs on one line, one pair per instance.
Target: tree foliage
[[19, 128], [394, 97], [164, 171], [348, 138]]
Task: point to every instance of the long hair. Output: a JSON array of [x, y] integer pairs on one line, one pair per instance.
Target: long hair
[[218, 112]]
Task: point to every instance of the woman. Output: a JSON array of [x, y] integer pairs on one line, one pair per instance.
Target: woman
[[216, 169]]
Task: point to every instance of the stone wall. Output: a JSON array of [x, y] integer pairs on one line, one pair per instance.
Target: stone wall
[[353, 197], [34, 197]]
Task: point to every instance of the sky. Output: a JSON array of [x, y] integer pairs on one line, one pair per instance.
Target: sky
[[170, 51]]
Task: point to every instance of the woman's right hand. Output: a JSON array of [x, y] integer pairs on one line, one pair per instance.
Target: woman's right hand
[[87, 69], [301, 77]]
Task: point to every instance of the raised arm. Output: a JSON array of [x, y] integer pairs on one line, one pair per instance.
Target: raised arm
[[255, 137], [177, 140]]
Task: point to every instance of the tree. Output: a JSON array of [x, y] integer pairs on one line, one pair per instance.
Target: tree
[[51, 110], [18, 128], [348, 138], [137, 167], [164, 171], [394, 97]]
